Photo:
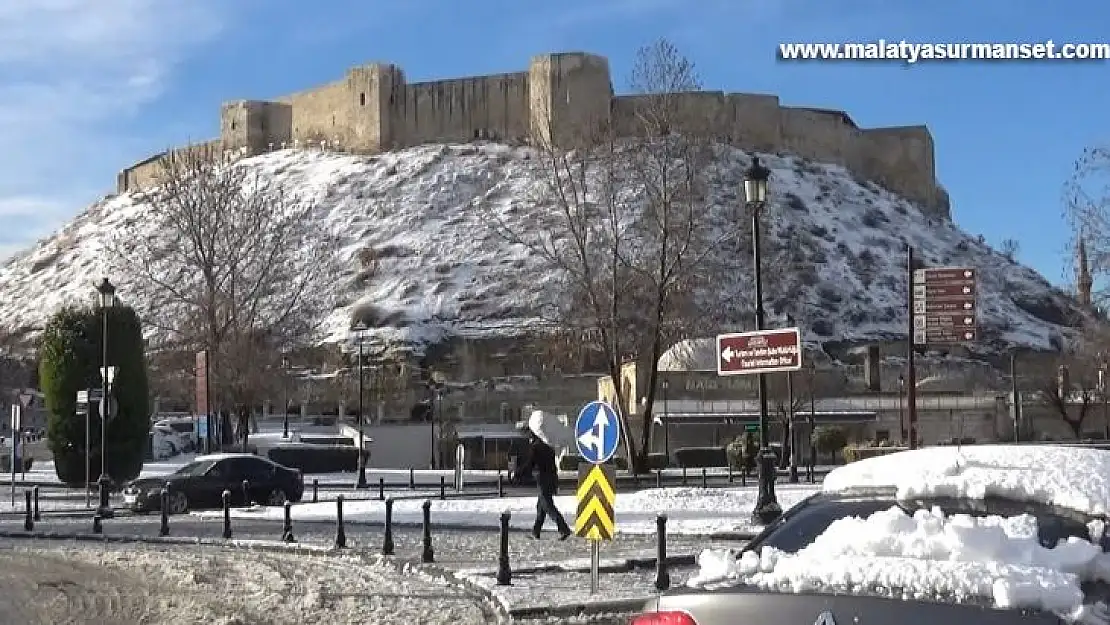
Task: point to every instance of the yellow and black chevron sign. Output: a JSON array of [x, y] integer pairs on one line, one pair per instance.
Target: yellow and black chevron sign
[[596, 497]]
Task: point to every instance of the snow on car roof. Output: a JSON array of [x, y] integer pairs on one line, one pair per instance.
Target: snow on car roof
[[926, 556], [1072, 477]]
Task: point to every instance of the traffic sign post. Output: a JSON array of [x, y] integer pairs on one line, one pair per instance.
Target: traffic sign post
[[597, 434], [944, 305], [762, 351]]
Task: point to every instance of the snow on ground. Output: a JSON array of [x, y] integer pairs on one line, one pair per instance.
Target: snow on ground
[[1069, 477], [926, 556], [425, 213], [691, 511], [47, 583]]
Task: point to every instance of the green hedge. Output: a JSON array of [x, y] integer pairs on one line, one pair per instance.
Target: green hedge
[[70, 361]]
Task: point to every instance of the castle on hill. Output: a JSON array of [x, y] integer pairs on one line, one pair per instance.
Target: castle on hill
[[374, 109]]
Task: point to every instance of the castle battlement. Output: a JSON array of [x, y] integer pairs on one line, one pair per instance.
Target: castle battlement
[[374, 109]]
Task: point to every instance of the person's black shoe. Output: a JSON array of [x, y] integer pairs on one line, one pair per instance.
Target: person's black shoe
[[535, 533], [565, 534]]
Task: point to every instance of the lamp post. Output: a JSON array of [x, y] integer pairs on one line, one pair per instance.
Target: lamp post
[[1102, 366], [812, 419], [767, 507], [107, 298], [285, 394], [666, 421], [901, 416], [360, 329]]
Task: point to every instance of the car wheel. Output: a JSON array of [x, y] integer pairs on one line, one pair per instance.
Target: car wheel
[[179, 503], [276, 498]]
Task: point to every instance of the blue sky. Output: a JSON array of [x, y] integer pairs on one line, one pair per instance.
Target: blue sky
[[86, 87]]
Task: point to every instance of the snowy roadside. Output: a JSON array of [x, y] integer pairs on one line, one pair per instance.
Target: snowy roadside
[[691, 511], [110, 584]]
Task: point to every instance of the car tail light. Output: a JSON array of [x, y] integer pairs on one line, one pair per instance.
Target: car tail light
[[662, 618]]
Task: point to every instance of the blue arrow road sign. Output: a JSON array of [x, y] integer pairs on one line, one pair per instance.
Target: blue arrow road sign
[[597, 431]]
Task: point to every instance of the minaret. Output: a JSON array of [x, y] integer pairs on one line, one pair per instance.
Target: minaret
[[1083, 281]]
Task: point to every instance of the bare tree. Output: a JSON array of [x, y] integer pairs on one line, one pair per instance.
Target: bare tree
[[1071, 387], [1087, 208], [1010, 248], [239, 267], [622, 223]]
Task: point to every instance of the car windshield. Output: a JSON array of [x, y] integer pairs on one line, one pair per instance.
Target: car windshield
[[195, 468], [802, 525]]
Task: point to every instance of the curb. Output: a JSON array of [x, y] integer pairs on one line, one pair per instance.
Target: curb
[[568, 610], [250, 545], [616, 565]]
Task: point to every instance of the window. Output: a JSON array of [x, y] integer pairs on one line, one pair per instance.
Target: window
[[233, 124], [252, 469], [362, 99]]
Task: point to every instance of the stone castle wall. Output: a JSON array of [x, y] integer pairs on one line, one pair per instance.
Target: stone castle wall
[[374, 109]]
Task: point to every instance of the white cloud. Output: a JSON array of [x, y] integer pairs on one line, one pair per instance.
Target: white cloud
[[69, 70]]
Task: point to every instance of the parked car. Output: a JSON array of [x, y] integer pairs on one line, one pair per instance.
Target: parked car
[[201, 483], [915, 495], [184, 430]]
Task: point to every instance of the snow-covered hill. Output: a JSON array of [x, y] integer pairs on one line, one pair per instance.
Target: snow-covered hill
[[443, 270]]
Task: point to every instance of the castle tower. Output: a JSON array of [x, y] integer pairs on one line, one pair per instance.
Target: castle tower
[[570, 95], [374, 93], [1083, 280]]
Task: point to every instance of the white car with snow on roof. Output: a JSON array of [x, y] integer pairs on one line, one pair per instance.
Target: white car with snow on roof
[[973, 535]]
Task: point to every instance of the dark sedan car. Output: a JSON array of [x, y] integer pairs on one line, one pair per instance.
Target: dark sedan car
[[201, 483], [801, 525]]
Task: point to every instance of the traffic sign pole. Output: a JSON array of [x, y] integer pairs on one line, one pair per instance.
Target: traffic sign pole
[[597, 434], [911, 346]]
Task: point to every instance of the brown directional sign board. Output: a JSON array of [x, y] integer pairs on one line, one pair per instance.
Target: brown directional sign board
[[762, 351], [944, 305]]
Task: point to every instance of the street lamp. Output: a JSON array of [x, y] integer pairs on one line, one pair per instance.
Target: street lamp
[[1102, 366], [107, 299], [285, 394], [901, 417], [767, 507], [812, 420], [360, 328], [666, 421]]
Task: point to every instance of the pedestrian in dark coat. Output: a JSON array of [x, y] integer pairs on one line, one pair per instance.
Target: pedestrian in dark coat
[[541, 459]]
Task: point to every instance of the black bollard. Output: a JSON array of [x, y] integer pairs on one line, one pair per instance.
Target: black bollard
[[387, 540], [729, 472], [659, 478], [704, 479], [427, 555], [744, 478], [287, 524], [340, 533], [662, 577], [381, 489], [226, 496], [412, 478], [504, 572], [315, 491], [500, 485], [636, 480], [442, 488], [98, 528], [164, 503], [105, 508], [28, 519], [684, 476], [35, 490], [246, 493]]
